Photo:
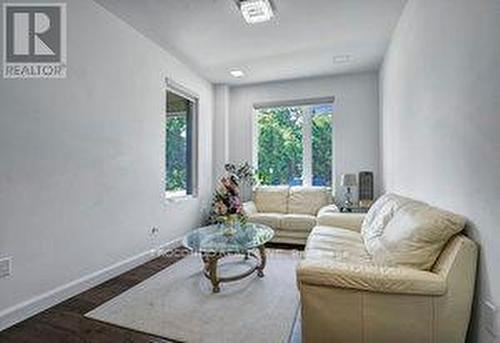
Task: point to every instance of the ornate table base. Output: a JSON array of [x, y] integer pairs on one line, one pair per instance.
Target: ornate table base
[[210, 260]]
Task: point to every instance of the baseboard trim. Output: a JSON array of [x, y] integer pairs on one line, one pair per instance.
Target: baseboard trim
[[165, 248], [33, 306]]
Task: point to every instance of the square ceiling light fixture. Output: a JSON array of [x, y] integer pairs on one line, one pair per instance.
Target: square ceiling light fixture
[[237, 73], [256, 11]]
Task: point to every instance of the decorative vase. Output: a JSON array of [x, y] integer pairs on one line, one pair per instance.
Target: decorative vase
[[231, 225]]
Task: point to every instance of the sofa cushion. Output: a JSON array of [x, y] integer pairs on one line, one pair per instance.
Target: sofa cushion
[[377, 218], [271, 199], [298, 222], [270, 219], [249, 208], [415, 236], [372, 278], [308, 200], [336, 244]]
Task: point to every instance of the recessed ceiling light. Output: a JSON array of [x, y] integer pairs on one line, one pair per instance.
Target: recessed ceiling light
[[341, 58], [237, 73], [256, 11]]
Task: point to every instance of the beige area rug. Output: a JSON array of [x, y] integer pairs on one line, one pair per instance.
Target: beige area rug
[[177, 303]]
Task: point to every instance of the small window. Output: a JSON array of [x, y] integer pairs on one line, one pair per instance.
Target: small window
[[180, 155], [295, 144]]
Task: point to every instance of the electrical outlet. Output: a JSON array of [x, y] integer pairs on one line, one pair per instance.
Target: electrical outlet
[[5, 266], [489, 317], [154, 239]]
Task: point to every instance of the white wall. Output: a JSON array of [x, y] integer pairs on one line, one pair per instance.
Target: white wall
[[356, 117], [82, 159], [221, 128], [441, 119]]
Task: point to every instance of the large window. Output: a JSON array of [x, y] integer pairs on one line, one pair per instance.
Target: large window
[[180, 156], [295, 144]]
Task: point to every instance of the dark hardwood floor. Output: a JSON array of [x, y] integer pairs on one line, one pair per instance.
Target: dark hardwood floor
[[65, 322]]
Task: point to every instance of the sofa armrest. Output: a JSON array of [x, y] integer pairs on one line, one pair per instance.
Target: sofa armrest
[[350, 221], [329, 209], [249, 208], [370, 278]]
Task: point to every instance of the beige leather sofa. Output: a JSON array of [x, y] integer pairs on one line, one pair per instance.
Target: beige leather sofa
[[402, 273], [290, 211]]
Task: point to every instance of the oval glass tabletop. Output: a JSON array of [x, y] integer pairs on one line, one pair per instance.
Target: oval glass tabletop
[[215, 239]]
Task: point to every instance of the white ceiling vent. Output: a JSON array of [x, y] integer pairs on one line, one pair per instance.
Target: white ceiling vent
[[256, 11]]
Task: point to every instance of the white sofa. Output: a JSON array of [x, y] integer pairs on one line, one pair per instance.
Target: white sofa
[[290, 211], [402, 273]]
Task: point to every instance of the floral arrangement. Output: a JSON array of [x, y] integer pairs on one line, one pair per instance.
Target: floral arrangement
[[227, 203], [227, 206]]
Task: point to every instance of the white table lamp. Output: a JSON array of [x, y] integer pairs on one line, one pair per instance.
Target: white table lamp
[[348, 181]]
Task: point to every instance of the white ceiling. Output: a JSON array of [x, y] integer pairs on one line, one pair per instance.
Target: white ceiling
[[301, 40]]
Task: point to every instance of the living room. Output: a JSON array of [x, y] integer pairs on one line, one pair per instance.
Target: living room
[[249, 171]]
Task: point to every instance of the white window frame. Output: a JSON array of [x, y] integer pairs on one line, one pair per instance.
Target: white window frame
[[178, 89], [306, 135]]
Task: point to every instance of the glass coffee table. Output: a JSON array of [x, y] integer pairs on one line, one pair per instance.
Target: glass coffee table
[[214, 242]]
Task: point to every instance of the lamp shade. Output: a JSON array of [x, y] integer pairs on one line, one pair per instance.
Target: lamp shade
[[348, 180]]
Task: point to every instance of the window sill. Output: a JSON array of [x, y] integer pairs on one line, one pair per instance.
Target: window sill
[[169, 198]]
